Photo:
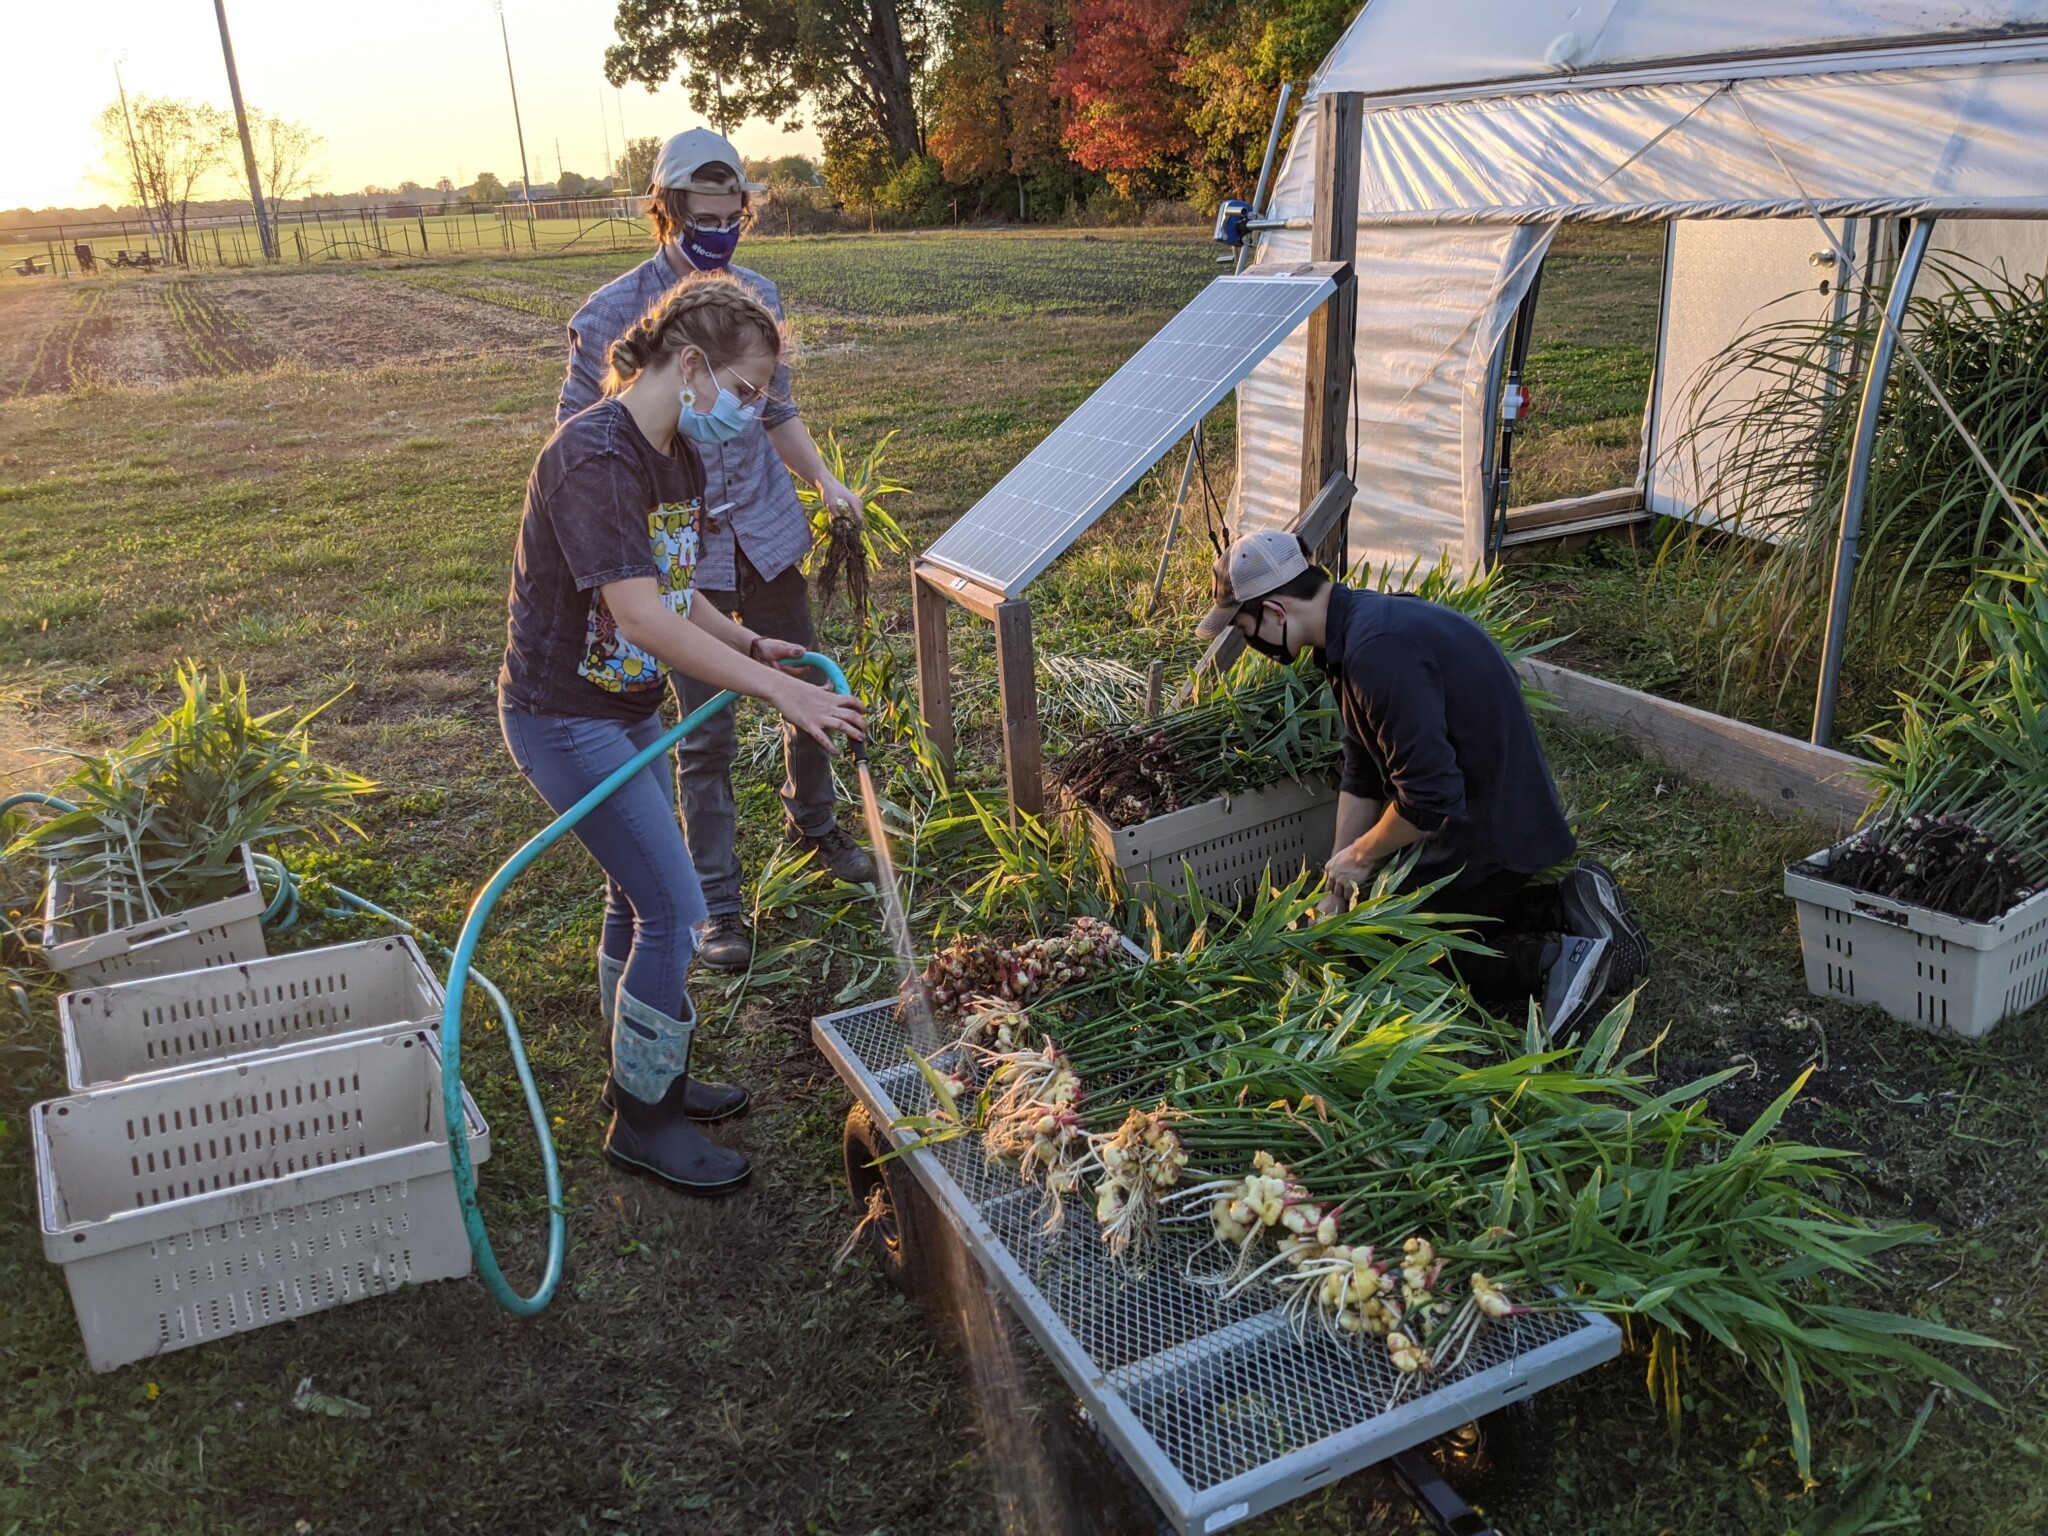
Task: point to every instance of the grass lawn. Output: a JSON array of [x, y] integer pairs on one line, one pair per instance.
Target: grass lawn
[[702, 1370]]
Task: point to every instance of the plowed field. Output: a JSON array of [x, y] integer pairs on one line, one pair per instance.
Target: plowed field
[[157, 330]]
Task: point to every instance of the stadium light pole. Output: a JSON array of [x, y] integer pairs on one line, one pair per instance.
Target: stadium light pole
[[227, 50]]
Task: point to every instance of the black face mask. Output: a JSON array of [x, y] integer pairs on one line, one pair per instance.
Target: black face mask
[[1270, 649]]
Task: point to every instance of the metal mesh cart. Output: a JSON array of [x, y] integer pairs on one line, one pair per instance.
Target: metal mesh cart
[[1216, 1407]]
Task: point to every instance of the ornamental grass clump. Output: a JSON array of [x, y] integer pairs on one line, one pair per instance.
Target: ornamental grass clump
[[1266, 722], [1302, 1106], [160, 823], [1770, 422], [1961, 821]]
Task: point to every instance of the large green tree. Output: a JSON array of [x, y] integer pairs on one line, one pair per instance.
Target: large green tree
[[858, 64]]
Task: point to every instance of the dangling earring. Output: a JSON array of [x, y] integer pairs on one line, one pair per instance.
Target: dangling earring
[[689, 395]]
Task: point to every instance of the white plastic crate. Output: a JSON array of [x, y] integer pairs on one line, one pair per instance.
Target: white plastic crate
[[217, 933], [193, 1019], [188, 1207], [1231, 843], [1917, 964]]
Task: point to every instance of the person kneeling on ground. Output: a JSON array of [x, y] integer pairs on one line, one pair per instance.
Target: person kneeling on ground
[[600, 612], [755, 532], [1440, 750]]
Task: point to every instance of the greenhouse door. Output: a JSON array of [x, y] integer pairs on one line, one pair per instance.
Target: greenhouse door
[[1722, 279]]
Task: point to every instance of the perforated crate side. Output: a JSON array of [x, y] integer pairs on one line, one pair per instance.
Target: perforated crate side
[[1230, 843], [216, 933], [1919, 965], [194, 1205], [192, 1019]]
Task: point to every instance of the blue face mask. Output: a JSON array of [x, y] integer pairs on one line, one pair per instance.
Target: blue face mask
[[726, 419], [709, 250]]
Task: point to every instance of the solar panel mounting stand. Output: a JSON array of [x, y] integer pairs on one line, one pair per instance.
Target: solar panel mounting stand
[[1332, 333]]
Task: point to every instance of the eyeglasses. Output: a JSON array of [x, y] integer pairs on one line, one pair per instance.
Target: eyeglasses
[[749, 394], [712, 224]]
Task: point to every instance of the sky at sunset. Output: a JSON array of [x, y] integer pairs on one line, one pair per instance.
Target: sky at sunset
[[400, 89]]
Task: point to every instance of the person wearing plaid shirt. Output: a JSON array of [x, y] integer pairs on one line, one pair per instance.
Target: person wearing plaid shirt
[[754, 538]]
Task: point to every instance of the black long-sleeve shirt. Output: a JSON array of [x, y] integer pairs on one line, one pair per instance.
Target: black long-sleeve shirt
[[1434, 721]]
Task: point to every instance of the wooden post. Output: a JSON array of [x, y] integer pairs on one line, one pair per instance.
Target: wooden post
[[1340, 127], [1324, 513], [1155, 686], [1017, 672], [928, 608]]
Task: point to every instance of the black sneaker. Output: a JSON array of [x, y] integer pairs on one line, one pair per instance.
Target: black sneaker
[[726, 944], [1574, 982], [837, 851], [1593, 906]]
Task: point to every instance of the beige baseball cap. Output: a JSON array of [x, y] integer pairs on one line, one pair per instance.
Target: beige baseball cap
[[683, 156], [1254, 565]]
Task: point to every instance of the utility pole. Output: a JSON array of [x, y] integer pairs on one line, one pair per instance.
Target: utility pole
[[625, 144], [135, 161], [227, 50], [559, 172], [603, 122], [525, 181]]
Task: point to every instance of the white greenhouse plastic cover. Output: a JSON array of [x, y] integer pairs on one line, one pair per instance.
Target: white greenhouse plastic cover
[[1736, 109]]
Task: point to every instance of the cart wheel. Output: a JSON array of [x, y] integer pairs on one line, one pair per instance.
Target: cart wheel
[[898, 1224]]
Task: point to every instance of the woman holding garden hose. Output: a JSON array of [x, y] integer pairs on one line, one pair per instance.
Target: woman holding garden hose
[[599, 615]]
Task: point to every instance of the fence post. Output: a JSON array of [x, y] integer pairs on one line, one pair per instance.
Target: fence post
[[299, 236], [423, 228]]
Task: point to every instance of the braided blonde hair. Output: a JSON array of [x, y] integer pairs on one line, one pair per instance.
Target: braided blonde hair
[[711, 311]]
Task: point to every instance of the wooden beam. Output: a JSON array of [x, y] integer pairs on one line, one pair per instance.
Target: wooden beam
[[1017, 675], [1313, 527], [1571, 511], [964, 590], [928, 611], [1780, 772], [1332, 330]]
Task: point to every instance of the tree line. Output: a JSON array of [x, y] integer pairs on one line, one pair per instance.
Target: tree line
[[1005, 108]]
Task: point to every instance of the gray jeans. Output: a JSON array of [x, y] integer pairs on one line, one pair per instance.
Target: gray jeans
[[781, 610]]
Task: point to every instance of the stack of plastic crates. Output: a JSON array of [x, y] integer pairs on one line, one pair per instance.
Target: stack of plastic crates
[[247, 1143]]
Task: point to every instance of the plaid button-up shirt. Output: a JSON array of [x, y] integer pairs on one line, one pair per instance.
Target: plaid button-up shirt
[[748, 495]]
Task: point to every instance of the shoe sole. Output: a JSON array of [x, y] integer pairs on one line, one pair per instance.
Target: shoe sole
[[1628, 946], [726, 967], [1597, 981], [689, 1189], [610, 1101]]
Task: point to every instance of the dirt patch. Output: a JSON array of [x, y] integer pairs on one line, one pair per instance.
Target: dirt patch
[[153, 331], [342, 320], [33, 318], [129, 336], [1932, 1141]]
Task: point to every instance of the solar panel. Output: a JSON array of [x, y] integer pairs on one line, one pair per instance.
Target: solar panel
[[1069, 480]]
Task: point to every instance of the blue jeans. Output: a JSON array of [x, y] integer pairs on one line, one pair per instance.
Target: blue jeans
[[652, 901]]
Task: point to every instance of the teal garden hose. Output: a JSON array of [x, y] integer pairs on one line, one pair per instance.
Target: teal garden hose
[[283, 913], [459, 975]]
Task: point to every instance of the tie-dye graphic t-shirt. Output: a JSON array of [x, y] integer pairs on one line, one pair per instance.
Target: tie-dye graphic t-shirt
[[601, 506]]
